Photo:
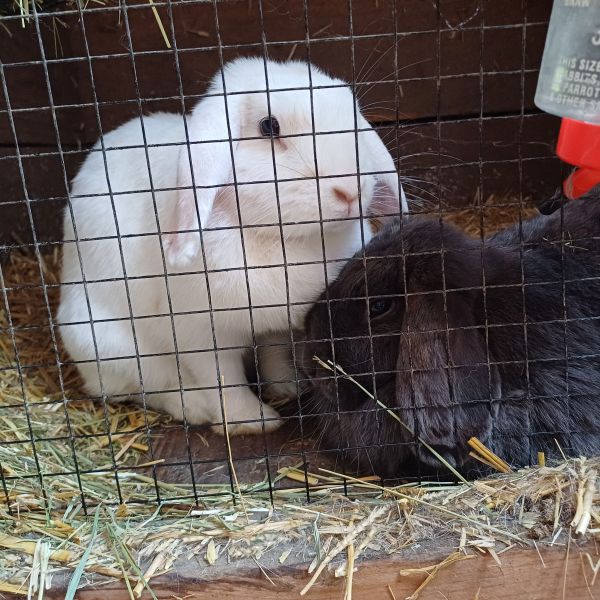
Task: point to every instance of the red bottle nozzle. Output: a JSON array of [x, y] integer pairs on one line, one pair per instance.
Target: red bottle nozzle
[[579, 182], [579, 145]]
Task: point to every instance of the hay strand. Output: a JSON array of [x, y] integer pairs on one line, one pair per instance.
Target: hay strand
[[483, 453], [75, 578], [229, 453], [160, 25], [432, 571]]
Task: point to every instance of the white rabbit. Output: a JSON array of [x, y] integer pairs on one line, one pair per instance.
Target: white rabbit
[[140, 322]]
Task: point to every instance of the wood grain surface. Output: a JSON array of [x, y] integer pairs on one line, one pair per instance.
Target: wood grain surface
[[522, 574], [473, 57], [464, 127]]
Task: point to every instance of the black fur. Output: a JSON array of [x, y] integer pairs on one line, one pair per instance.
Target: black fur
[[496, 361]]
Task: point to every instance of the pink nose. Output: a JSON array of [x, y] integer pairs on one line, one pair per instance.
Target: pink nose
[[344, 196]]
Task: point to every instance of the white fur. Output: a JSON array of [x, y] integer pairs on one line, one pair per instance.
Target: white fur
[[131, 212]]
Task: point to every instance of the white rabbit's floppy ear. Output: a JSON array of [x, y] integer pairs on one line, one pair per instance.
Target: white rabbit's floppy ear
[[389, 197], [211, 126]]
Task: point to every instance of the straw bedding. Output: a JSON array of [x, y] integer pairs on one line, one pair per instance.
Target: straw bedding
[[45, 529]]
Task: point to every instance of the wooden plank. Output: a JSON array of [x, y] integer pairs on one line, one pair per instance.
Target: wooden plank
[[421, 55], [28, 88], [45, 186], [256, 458], [451, 163], [521, 574]]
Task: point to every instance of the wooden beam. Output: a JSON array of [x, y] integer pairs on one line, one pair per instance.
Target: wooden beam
[[456, 53], [523, 573]]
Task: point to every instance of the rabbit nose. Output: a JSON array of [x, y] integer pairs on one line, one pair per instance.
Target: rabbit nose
[[344, 195]]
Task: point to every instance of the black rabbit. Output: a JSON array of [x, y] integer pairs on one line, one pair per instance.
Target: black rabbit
[[498, 340]]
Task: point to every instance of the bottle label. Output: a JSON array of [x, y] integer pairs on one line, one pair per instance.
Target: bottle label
[[576, 84], [569, 82]]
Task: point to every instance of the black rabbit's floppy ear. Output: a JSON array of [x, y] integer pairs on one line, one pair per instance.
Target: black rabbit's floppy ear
[[445, 382]]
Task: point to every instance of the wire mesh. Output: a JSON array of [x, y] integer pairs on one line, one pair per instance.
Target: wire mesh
[[449, 90]]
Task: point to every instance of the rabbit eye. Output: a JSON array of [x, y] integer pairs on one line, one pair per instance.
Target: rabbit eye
[[269, 126], [380, 306]]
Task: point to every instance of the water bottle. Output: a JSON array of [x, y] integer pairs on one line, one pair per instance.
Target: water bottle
[[569, 87], [569, 81]]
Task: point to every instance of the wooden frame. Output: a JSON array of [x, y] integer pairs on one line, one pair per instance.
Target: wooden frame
[[520, 573]]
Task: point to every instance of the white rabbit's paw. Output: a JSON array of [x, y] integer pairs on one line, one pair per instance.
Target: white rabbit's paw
[[280, 393], [246, 418]]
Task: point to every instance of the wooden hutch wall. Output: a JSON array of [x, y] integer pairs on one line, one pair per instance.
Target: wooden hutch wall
[[467, 71]]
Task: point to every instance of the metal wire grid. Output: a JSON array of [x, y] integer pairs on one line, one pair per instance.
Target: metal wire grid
[[263, 46]]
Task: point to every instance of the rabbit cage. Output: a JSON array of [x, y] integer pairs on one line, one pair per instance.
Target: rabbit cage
[[116, 499]]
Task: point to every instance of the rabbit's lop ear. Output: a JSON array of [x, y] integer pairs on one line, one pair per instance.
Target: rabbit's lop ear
[[445, 382], [389, 197], [213, 129]]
